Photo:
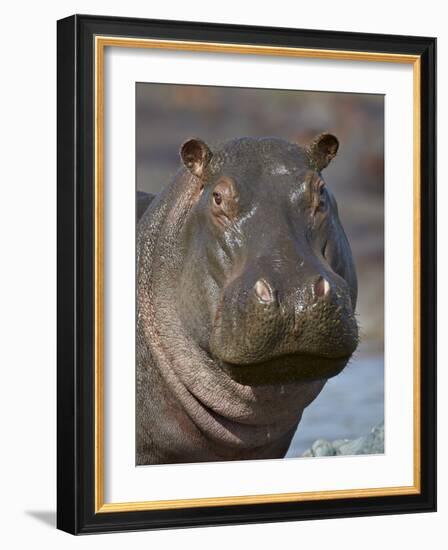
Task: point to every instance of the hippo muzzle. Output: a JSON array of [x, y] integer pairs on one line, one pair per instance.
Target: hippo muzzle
[[265, 331]]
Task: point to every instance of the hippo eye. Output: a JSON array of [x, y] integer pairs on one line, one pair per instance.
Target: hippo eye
[[321, 197], [217, 198]]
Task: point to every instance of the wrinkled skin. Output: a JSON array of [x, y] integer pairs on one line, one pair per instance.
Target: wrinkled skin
[[246, 292]]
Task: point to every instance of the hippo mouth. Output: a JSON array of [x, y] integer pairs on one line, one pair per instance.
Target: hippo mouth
[[286, 369]]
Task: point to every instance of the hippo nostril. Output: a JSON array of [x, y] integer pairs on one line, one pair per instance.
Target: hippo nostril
[[264, 291], [321, 288]]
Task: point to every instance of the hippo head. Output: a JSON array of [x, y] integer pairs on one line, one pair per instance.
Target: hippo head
[[268, 286]]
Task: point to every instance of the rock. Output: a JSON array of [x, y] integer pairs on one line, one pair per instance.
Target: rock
[[373, 443], [339, 443], [321, 447]]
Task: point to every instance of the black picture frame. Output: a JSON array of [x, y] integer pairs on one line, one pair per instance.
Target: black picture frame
[[76, 511]]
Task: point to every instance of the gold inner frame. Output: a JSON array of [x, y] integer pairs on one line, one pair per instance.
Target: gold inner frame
[[101, 42]]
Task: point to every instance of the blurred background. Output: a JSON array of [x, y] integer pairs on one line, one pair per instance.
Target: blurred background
[[166, 115]]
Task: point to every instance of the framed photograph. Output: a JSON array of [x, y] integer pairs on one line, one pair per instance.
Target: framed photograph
[[246, 274]]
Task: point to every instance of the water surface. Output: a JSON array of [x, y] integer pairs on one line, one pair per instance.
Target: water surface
[[348, 407]]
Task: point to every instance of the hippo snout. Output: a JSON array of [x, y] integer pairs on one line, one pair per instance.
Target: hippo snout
[[263, 321]]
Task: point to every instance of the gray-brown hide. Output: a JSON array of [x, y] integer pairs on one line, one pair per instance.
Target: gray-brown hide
[[246, 293]]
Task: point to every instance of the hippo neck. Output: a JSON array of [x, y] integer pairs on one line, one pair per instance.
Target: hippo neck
[[223, 410]]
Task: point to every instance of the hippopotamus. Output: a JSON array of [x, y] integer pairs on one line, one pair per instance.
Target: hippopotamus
[[246, 296]]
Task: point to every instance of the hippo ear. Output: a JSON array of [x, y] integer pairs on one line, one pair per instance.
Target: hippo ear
[[195, 155], [322, 150]]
